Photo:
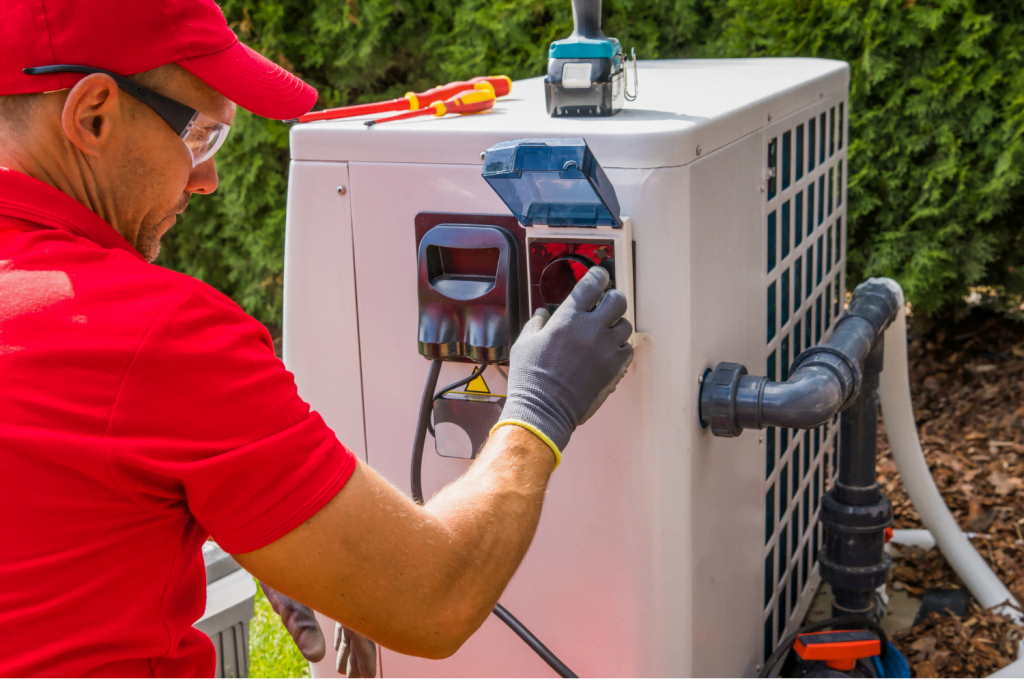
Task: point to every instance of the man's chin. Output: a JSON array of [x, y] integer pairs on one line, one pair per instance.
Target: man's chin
[[148, 242], [149, 249]]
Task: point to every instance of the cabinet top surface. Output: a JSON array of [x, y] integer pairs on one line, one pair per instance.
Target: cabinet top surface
[[682, 105]]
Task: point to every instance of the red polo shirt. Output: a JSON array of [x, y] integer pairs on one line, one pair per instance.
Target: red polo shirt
[[140, 411]]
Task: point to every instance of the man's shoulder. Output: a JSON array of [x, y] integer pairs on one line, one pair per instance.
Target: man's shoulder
[[116, 274], [120, 295]]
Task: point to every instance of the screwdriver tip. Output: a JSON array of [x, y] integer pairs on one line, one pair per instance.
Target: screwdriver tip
[[369, 123], [290, 121]]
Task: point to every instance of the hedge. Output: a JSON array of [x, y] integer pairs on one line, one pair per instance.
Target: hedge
[[936, 117]]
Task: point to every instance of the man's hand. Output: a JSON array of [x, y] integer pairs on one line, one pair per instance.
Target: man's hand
[[564, 366], [357, 655], [300, 622]]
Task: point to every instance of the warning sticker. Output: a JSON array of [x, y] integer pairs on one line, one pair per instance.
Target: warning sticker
[[478, 386]]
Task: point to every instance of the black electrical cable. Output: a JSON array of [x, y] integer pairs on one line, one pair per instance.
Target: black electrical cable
[[461, 383], [782, 651], [426, 406], [422, 425], [547, 655], [451, 387]]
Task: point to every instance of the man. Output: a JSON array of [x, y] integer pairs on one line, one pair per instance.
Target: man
[[142, 412]]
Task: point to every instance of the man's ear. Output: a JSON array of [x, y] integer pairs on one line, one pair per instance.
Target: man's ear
[[91, 111]]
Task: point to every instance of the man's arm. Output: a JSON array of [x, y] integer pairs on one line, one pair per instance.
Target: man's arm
[[421, 580], [417, 580]]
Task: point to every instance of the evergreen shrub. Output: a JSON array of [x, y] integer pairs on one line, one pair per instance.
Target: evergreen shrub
[[936, 116]]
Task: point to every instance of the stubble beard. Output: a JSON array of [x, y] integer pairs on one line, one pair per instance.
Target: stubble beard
[[147, 242]]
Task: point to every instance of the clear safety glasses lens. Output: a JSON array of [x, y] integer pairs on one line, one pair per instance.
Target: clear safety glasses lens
[[203, 136]]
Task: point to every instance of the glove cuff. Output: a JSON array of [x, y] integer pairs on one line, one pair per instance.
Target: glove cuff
[[536, 432]]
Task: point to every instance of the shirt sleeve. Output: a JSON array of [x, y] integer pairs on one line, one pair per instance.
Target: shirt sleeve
[[208, 422]]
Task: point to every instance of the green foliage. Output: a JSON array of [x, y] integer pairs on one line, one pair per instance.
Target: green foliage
[[936, 123], [272, 653], [358, 51], [937, 115]]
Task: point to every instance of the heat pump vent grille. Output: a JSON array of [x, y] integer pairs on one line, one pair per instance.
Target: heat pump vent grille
[[805, 283]]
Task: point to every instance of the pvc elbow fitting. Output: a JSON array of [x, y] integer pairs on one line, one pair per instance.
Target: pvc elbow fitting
[[824, 379]]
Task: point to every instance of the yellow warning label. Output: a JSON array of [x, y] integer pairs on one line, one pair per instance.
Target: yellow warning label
[[478, 386]]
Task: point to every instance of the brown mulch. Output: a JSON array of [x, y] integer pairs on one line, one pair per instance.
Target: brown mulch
[[968, 390], [951, 646]]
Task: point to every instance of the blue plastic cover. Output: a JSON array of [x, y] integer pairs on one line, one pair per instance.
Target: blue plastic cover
[[555, 182]]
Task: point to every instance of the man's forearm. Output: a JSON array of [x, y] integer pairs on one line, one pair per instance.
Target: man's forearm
[[492, 513], [431, 574]]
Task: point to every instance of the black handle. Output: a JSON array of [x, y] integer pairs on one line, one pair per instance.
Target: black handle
[[586, 19]]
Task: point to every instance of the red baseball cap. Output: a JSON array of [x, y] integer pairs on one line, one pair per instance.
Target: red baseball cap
[[130, 36]]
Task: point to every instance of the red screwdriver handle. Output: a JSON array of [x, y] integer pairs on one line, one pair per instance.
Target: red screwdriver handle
[[446, 92], [469, 102], [411, 101], [499, 85], [502, 84], [466, 102]]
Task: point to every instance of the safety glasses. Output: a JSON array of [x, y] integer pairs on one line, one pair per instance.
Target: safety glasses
[[201, 134]]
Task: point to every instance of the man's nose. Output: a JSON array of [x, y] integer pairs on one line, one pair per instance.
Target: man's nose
[[203, 179]]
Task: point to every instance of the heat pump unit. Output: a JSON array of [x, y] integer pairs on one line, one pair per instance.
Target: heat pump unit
[[662, 551]]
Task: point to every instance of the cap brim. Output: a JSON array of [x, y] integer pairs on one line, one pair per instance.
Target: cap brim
[[253, 82]]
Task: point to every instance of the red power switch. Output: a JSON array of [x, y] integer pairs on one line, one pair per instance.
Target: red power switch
[[839, 649], [556, 267]]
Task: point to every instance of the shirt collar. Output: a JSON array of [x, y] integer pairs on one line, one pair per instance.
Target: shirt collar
[[24, 197]]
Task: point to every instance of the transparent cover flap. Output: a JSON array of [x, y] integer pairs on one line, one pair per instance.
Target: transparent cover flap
[[555, 182]]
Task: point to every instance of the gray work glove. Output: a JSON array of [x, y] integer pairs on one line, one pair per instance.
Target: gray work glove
[[300, 622], [357, 655], [564, 366]]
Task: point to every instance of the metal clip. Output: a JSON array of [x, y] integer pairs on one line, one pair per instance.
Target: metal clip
[[636, 80]]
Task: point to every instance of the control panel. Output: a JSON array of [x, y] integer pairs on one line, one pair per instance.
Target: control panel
[[558, 257], [562, 197]]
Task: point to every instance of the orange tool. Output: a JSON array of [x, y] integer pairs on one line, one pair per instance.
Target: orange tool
[[839, 649], [499, 85], [466, 102]]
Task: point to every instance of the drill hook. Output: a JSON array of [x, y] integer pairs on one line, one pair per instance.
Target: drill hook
[[636, 81]]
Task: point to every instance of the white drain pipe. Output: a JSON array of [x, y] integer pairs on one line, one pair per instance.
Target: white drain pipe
[[894, 394]]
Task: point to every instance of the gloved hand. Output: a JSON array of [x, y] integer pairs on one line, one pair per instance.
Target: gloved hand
[[300, 622], [563, 366], [357, 655]]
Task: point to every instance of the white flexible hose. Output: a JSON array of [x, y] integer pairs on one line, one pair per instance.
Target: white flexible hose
[[894, 394]]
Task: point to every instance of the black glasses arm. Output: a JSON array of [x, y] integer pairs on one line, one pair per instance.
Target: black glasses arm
[[176, 114]]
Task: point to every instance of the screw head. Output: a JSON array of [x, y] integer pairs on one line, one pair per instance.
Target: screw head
[[698, 150], [342, 189], [769, 116], [482, 155], [700, 378], [760, 439]]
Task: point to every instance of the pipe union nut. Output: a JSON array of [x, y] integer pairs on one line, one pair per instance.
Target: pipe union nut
[[855, 519], [718, 399]]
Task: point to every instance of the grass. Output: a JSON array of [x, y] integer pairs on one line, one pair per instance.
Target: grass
[[272, 654]]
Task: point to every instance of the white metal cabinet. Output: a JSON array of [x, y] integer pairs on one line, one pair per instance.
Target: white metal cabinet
[[652, 555]]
